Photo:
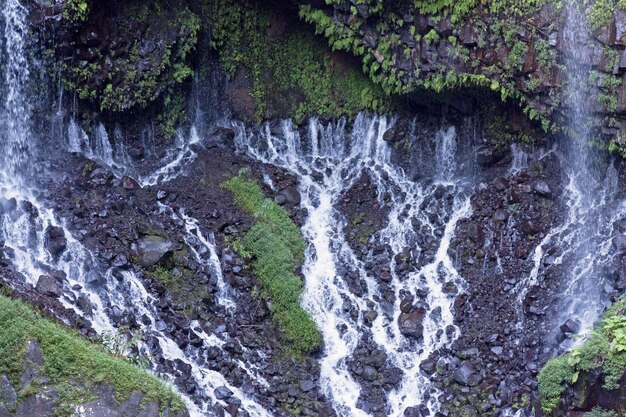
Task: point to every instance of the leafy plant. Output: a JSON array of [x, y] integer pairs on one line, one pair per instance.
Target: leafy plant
[[275, 247]]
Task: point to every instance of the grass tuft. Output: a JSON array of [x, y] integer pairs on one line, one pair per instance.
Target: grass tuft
[[276, 247], [69, 357]]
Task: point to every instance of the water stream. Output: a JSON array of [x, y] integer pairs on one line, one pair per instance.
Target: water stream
[[347, 298], [327, 163]]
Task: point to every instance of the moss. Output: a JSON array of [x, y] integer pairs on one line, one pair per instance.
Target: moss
[[276, 248], [604, 350], [68, 357], [554, 378], [381, 61], [293, 74], [118, 83]]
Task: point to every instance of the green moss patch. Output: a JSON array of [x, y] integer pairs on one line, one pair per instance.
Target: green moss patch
[[605, 350], [69, 358], [293, 73], [276, 247]]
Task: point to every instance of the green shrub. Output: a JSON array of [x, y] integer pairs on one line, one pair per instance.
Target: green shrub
[[605, 350], [554, 377], [599, 412], [68, 357], [276, 248], [76, 10]]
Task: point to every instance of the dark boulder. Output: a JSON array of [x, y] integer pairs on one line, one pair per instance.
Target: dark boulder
[[49, 286], [466, 375], [151, 249], [55, 240], [411, 323]]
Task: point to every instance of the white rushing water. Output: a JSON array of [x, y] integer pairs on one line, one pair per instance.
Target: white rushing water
[[327, 163], [24, 221]]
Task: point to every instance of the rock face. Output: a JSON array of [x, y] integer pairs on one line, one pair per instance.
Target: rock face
[[517, 52], [42, 398]]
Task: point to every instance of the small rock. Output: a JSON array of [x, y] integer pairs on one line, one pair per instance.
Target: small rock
[[222, 393], [497, 350], [130, 183], [543, 189], [571, 326], [307, 385]]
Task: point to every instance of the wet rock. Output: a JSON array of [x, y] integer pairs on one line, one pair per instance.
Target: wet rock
[[56, 243], [49, 286], [542, 188], [501, 215], [497, 350], [8, 396], [529, 227], [291, 195], [429, 366], [619, 242], [307, 385], [370, 373], [31, 364], [222, 393], [136, 152], [571, 326], [392, 135], [466, 375], [151, 249], [411, 323], [129, 183]]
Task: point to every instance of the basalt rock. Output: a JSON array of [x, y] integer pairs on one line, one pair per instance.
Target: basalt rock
[[151, 249]]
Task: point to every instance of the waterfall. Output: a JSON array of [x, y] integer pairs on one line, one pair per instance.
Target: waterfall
[[327, 162], [590, 206], [25, 222], [16, 110]]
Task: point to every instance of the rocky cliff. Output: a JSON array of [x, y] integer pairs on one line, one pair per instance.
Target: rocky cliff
[[136, 165]]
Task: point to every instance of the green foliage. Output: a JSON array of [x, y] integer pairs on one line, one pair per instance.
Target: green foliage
[[276, 247], [431, 37], [68, 357], [76, 10], [381, 61], [173, 113], [553, 379], [605, 350], [293, 74], [124, 81], [600, 12], [599, 412]]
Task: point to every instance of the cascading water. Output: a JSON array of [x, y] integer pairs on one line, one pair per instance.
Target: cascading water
[[16, 110], [583, 238], [327, 164], [24, 222]]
